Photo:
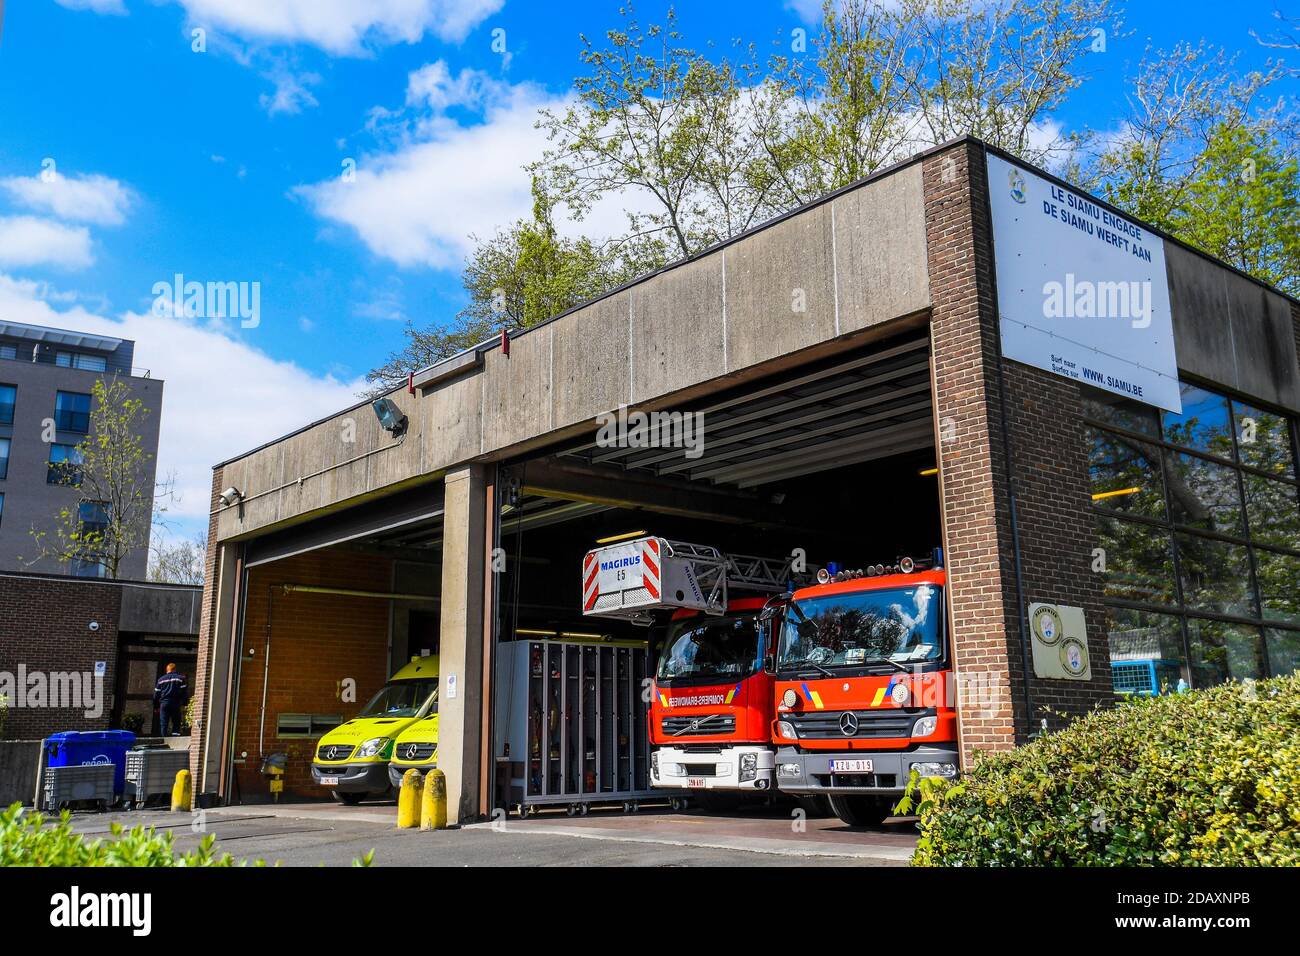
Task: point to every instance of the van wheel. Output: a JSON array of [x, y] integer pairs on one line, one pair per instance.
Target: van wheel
[[348, 799], [861, 811]]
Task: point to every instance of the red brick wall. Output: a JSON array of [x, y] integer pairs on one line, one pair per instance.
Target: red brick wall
[[207, 617], [45, 624], [316, 641], [1056, 532]]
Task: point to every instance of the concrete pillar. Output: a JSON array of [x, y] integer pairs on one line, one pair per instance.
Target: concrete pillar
[[460, 724], [211, 688]]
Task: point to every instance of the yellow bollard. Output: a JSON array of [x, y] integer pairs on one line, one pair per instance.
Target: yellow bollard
[[433, 808], [408, 800], [182, 793]]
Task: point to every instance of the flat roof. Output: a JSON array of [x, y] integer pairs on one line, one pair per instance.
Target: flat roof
[[41, 333]]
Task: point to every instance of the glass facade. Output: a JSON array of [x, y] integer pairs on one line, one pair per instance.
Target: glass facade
[[4, 457], [8, 398], [1198, 519]]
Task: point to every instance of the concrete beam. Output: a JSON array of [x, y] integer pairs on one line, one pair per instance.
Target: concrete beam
[[580, 482], [460, 718]]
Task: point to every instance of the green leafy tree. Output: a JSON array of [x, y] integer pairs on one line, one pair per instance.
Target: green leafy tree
[[520, 276], [112, 470]]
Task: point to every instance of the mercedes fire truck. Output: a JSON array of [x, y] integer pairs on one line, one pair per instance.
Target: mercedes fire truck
[[864, 687], [712, 700]]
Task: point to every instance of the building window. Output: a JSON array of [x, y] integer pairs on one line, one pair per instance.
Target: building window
[[1198, 518], [8, 351], [72, 412], [93, 516], [4, 457], [64, 466], [91, 363], [89, 568], [8, 398], [2, 507]]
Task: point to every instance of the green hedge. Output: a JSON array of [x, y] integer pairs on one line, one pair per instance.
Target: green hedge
[[31, 839], [1205, 778]]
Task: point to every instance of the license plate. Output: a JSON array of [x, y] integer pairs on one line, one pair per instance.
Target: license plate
[[851, 766], [695, 782], [329, 781]]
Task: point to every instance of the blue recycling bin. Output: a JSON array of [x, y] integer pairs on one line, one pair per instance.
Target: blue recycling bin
[[74, 748]]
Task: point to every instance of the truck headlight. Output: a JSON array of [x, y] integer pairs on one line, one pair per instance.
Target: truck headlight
[[375, 747], [925, 726], [935, 769], [787, 770], [789, 698], [900, 694], [786, 730], [748, 767], [674, 770], [654, 763]]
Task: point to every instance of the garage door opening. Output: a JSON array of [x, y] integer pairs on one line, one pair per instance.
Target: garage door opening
[[833, 461], [330, 613]]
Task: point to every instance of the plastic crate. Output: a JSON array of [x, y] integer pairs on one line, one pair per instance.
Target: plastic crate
[[91, 783], [1144, 677], [152, 773]]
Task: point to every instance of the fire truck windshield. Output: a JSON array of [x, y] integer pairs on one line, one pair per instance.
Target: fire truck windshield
[[703, 648], [893, 627]]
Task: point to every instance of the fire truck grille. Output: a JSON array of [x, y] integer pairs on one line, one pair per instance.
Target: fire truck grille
[[700, 769], [828, 724], [707, 724], [864, 781]]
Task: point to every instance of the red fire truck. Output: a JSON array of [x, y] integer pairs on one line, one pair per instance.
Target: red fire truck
[[711, 703], [864, 687]]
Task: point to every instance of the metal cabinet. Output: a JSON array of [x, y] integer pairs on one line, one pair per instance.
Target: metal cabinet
[[571, 724]]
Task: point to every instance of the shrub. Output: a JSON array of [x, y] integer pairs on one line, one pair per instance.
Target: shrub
[[1204, 778], [26, 840]]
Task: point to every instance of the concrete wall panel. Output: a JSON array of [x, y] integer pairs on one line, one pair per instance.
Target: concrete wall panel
[[590, 371], [677, 333], [781, 290]]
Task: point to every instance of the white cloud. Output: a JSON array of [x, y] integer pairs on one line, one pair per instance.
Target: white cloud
[[94, 198], [420, 203], [30, 241], [292, 91], [342, 26], [203, 420], [116, 7]]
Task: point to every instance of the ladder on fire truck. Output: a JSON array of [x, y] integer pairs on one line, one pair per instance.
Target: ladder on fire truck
[[630, 580]]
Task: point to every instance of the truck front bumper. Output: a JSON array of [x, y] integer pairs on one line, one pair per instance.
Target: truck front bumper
[[677, 769], [354, 777], [809, 772]]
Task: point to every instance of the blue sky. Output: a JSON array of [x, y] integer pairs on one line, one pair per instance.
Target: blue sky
[[225, 165]]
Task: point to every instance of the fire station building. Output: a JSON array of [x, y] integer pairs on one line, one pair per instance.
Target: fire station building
[[959, 352]]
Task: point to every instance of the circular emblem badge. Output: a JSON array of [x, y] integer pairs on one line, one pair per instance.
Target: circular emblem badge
[[1017, 183], [1074, 656], [848, 723], [1047, 625]]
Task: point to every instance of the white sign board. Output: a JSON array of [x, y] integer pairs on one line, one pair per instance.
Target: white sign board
[[620, 569], [1082, 291]]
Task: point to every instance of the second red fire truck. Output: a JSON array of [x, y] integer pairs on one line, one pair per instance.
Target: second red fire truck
[[840, 689]]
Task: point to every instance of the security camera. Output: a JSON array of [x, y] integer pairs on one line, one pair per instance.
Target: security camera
[[230, 496], [390, 416]]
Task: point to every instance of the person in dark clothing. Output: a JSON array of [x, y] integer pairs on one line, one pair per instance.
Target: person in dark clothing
[[169, 696]]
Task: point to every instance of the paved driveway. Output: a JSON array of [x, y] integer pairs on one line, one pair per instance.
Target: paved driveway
[[324, 833]]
